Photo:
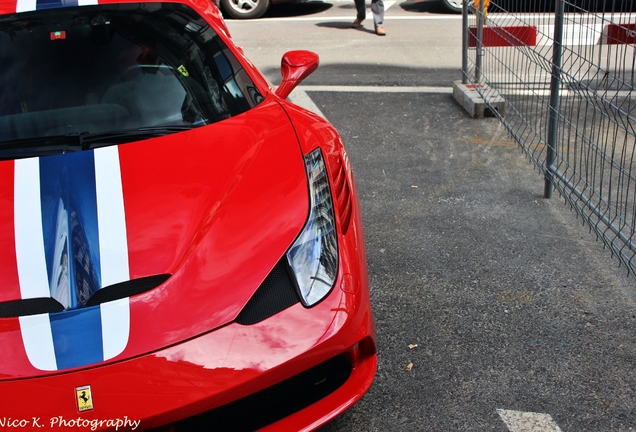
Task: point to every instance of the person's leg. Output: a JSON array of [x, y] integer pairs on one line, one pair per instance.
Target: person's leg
[[377, 7], [361, 12]]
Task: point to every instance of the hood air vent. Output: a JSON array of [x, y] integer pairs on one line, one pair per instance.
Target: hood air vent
[[126, 289], [32, 306], [44, 305]]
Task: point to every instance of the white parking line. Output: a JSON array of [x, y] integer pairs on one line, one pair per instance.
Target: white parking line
[[300, 97], [376, 89], [348, 18], [518, 421]]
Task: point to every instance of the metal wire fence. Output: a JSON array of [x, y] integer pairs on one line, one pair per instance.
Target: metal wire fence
[[566, 71]]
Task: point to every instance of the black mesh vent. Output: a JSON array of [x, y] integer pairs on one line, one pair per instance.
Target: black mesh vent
[[33, 306], [126, 289], [274, 403], [276, 293]]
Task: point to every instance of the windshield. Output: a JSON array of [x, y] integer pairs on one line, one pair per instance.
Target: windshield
[[113, 68]]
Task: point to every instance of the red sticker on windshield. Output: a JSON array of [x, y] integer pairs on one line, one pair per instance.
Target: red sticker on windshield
[[57, 35]]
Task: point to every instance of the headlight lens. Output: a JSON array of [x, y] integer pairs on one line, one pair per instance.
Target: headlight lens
[[313, 258]]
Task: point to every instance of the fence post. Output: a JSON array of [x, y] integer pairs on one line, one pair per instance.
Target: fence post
[[465, 41], [479, 45], [555, 82]]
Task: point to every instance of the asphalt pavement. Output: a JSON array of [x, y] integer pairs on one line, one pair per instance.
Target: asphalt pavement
[[512, 304], [496, 309]]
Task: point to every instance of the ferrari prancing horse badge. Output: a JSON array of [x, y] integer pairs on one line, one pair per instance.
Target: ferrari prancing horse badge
[[84, 398]]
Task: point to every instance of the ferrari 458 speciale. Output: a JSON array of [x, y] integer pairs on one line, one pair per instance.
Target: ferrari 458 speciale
[[181, 247]]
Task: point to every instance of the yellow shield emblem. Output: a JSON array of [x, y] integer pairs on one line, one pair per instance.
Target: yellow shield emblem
[[84, 398]]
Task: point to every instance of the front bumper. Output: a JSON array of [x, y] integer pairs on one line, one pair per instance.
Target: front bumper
[[214, 370]]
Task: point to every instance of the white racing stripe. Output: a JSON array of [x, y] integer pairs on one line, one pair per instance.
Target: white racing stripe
[[38, 341], [29, 239], [25, 5], [113, 243], [113, 248], [518, 421], [115, 317]]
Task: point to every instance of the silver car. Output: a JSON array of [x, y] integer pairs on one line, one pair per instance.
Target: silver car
[[452, 5]]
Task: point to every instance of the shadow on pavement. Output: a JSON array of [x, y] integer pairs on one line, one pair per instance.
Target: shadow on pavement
[[424, 6], [369, 74], [296, 9]]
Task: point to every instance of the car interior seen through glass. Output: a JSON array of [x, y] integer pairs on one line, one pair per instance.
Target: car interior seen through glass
[[111, 69]]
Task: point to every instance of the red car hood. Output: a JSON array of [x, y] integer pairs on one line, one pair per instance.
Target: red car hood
[[215, 208]]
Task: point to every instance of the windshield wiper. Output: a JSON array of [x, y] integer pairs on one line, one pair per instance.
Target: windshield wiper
[[39, 146], [74, 142], [94, 140]]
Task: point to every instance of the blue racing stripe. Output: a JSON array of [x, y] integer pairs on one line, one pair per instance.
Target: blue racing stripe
[[50, 4], [71, 246], [69, 226], [77, 337]]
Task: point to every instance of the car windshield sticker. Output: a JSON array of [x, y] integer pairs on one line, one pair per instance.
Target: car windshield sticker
[[58, 35], [183, 71], [70, 242]]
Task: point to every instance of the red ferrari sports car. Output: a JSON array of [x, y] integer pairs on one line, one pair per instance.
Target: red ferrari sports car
[[181, 247]]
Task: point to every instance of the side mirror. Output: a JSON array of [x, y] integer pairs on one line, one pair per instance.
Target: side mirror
[[295, 67]]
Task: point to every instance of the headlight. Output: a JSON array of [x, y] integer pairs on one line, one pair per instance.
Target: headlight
[[313, 258]]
